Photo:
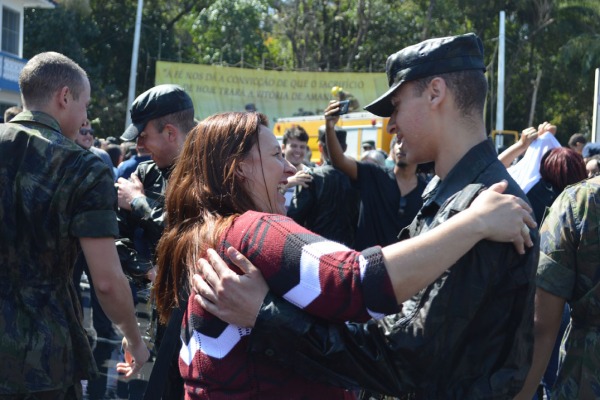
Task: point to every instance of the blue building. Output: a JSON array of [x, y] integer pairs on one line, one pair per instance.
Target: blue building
[[11, 48]]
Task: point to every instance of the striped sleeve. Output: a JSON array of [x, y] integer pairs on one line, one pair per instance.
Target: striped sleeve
[[323, 277]]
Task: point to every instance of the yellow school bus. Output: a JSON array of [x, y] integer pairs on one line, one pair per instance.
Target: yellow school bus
[[360, 126]]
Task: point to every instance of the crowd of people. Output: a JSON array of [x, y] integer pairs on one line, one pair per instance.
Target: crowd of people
[[273, 277]]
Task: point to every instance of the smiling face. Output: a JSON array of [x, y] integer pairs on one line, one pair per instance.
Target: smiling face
[[157, 144], [410, 122], [85, 136], [265, 172], [295, 151]]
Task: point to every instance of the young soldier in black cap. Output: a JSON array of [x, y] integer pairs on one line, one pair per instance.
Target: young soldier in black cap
[[469, 334], [161, 119]]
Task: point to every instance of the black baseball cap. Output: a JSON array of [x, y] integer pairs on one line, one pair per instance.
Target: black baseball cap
[[428, 58], [157, 102]]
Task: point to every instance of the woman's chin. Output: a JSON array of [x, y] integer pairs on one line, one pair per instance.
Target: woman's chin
[[280, 209]]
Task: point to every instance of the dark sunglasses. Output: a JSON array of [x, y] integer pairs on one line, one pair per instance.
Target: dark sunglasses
[[86, 132]]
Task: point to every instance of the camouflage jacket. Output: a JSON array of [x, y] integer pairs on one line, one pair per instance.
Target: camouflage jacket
[[569, 268], [51, 193], [468, 335]]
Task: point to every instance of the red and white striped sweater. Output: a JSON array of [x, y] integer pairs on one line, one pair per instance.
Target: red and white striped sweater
[[324, 278]]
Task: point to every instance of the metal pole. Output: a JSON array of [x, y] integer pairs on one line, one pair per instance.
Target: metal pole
[[500, 88], [536, 86], [134, 60], [596, 113]]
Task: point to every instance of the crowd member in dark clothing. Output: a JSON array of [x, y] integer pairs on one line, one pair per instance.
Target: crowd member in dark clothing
[[116, 156], [389, 199], [590, 150], [469, 334], [128, 166], [329, 205], [559, 168], [161, 119], [577, 142]]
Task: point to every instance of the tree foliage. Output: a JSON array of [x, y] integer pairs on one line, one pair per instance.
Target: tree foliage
[[557, 37]]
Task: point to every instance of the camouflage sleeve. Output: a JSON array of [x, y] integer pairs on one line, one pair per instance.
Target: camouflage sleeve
[[95, 203], [558, 244]]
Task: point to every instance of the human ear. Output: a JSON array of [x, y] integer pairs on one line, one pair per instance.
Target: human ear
[[436, 91], [62, 95], [240, 171], [171, 132]]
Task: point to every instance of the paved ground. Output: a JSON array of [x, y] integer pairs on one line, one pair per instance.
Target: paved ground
[[111, 385]]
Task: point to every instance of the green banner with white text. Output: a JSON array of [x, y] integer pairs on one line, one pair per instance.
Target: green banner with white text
[[276, 93]]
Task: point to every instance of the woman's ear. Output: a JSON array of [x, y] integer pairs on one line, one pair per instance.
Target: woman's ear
[[240, 171]]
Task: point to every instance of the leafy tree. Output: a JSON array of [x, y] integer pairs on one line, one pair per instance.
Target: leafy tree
[[231, 32], [557, 37], [99, 36]]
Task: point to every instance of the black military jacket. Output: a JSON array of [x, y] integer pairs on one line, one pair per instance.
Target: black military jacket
[[141, 228], [466, 336]]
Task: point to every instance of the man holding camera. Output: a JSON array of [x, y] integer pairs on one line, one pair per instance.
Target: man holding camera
[[390, 199]]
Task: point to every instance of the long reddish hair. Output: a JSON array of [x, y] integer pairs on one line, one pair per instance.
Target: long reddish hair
[[203, 196], [562, 167]]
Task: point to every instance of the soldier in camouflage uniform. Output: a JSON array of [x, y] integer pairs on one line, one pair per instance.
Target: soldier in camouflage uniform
[[569, 272], [52, 195]]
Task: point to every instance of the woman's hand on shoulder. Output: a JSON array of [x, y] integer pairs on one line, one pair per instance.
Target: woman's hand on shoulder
[[504, 217]]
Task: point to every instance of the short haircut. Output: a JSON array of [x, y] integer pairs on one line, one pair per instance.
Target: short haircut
[[183, 120], [577, 138], [468, 87], [11, 112], [45, 74], [339, 133], [115, 152], [375, 155], [295, 132]]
